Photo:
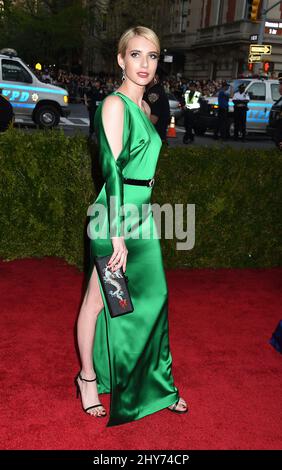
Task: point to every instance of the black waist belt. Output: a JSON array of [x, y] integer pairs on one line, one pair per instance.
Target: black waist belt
[[139, 182]]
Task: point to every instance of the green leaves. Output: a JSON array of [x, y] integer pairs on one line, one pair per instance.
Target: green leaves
[[237, 197], [45, 182], [46, 188], [48, 35]]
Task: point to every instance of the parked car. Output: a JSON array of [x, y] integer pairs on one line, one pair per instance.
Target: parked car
[[175, 107], [263, 93], [32, 100], [274, 127]]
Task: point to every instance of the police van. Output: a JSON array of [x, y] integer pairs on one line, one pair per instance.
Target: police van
[[32, 100], [262, 92]]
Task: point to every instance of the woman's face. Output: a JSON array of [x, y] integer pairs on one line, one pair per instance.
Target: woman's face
[[141, 56]]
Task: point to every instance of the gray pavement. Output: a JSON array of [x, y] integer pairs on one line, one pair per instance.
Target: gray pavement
[[78, 122]]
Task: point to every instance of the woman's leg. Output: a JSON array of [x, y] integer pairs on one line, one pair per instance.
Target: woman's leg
[[91, 307]]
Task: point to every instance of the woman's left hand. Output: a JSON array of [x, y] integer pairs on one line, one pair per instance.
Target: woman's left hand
[[119, 256]]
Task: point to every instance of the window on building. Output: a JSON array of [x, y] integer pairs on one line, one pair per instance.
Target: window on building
[[257, 91], [13, 71], [220, 12], [184, 13]]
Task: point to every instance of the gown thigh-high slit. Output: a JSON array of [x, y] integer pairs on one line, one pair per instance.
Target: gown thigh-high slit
[[131, 353]]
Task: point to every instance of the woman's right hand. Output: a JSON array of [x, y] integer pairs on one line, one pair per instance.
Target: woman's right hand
[[119, 256]]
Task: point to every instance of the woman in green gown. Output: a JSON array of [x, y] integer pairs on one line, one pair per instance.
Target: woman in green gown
[[127, 356]]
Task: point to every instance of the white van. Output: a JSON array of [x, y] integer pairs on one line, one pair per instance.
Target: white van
[[263, 93], [32, 100]]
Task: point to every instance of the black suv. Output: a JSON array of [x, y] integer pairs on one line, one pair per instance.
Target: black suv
[[274, 128]]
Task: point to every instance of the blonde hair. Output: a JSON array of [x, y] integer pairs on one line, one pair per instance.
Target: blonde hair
[[137, 31]]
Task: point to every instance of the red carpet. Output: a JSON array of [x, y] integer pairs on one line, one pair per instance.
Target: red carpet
[[220, 324]]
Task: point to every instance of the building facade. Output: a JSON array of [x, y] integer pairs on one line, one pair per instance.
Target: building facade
[[210, 39], [206, 39]]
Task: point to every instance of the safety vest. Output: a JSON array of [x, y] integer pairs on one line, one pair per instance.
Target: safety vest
[[192, 103]]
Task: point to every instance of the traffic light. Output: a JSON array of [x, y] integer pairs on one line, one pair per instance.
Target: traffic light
[[250, 67], [268, 67], [253, 9]]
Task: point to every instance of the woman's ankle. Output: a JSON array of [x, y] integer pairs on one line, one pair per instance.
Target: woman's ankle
[[87, 374]]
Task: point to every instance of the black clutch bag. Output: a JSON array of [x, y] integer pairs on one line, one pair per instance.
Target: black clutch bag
[[114, 286]]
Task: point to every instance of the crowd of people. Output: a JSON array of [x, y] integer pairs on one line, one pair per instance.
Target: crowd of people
[[78, 85], [91, 90]]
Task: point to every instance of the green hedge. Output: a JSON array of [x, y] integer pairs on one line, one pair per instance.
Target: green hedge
[[47, 186]]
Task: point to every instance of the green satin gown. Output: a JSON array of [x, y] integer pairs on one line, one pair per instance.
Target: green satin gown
[[131, 353]]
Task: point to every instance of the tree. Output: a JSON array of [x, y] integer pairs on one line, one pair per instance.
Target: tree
[[46, 31]]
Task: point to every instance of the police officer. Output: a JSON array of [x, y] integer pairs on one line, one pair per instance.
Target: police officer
[[240, 100], [157, 99], [6, 113], [92, 99], [223, 109], [192, 106]]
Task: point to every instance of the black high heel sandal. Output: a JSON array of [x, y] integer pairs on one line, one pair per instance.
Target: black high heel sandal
[[78, 392], [175, 410]]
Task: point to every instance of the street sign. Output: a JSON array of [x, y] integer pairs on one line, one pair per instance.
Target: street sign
[[273, 27], [254, 37], [260, 49], [254, 58]]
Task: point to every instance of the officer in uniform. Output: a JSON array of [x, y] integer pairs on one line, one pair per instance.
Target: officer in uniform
[[240, 100], [223, 110], [92, 99], [6, 113], [157, 99], [192, 106]]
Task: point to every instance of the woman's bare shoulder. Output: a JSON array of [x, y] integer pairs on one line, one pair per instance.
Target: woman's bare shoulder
[[113, 104]]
